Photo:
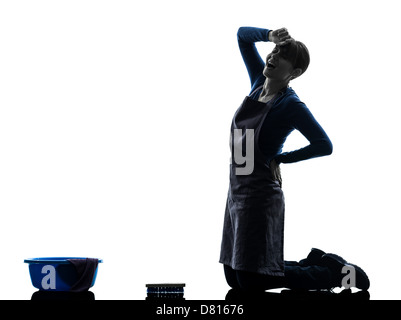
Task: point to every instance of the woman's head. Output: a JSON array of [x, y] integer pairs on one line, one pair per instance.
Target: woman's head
[[287, 62]]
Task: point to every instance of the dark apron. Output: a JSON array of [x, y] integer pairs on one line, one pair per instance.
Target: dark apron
[[253, 232]]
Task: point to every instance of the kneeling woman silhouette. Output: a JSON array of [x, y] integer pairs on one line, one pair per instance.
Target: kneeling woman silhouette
[[253, 232]]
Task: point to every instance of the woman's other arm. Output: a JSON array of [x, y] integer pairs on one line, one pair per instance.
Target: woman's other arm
[[320, 144]]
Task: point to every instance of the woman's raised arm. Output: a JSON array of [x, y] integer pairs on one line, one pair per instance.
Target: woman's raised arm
[[247, 36]]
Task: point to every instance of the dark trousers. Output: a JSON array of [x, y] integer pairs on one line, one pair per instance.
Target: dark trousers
[[297, 275]]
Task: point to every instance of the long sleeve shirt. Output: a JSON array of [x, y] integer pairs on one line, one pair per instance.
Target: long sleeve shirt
[[288, 112]]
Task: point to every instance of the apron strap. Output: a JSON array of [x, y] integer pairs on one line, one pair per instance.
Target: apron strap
[[256, 90]]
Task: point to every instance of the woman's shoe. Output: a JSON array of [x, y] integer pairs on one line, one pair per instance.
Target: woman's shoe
[[336, 264]]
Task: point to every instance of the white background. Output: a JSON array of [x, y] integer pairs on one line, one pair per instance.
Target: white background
[[114, 126]]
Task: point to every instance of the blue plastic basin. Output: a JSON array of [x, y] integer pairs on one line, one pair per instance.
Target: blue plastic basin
[[55, 273]]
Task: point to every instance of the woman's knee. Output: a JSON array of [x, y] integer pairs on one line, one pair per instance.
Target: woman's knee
[[241, 280], [249, 281], [231, 277]]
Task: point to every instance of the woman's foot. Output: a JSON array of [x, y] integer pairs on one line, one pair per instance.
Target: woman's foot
[[313, 258]]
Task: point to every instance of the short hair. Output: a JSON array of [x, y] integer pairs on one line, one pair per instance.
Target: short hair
[[297, 53]]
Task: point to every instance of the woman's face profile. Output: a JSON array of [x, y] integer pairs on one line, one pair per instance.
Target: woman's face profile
[[277, 65]]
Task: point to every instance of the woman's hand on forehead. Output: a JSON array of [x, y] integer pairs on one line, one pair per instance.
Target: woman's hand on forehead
[[280, 37]]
